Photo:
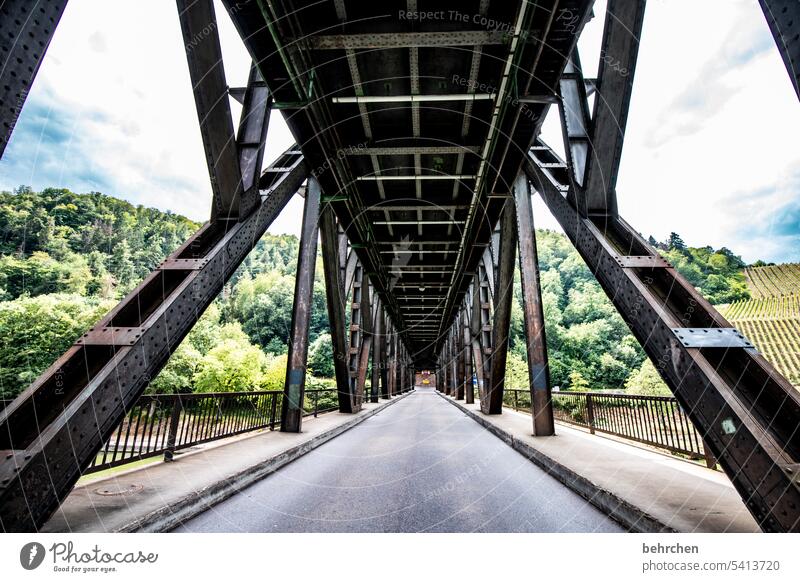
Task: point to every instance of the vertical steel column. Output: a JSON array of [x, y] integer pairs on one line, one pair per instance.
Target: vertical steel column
[[478, 346], [297, 361], [464, 360], [384, 351], [503, 300], [467, 333], [204, 55], [334, 289], [538, 368], [377, 359], [391, 357], [26, 29], [457, 361], [366, 339], [355, 329], [470, 363]]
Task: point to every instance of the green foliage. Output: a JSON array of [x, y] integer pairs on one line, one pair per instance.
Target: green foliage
[[320, 356], [647, 382], [40, 273], [577, 382], [34, 331], [717, 274], [59, 241], [233, 365]]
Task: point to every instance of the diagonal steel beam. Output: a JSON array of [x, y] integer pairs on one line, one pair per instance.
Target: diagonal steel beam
[[54, 429], [783, 17], [26, 29], [204, 55], [620, 49]]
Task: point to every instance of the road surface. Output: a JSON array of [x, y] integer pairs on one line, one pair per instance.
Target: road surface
[[419, 465]]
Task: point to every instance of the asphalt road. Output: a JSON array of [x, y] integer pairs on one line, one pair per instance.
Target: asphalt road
[[418, 466]]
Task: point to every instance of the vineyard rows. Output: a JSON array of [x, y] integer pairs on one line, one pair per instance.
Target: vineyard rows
[[771, 319], [780, 307], [773, 280], [779, 341]]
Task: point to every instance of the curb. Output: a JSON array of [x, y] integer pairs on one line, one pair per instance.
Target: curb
[[171, 516], [633, 518]]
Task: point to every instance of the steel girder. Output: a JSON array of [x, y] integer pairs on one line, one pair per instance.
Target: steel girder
[[204, 55], [503, 300], [744, 409], [53, 430], [783, 17], [533, 314], [297, 360], [335, 293], [26, 29], [618, 56]]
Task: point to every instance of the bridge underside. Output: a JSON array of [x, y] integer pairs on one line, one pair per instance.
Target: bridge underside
[[418, 139]]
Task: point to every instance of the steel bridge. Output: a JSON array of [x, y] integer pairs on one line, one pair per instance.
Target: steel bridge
[[417, 139]]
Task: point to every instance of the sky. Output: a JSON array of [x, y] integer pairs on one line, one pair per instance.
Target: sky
[[709, 151]]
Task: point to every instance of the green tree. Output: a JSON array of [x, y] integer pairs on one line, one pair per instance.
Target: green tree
[[647, 382], [320, 356], [34, 331]]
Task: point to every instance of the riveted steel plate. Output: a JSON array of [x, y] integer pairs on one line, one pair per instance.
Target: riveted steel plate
[[183, 264], [711, 337], [641, 262], [111, 336]]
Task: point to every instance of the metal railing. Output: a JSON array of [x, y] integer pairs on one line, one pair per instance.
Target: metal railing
[[657, 421], [165, 423]]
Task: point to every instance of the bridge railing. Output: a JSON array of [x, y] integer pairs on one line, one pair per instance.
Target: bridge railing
[[657, 421], [165, 423]]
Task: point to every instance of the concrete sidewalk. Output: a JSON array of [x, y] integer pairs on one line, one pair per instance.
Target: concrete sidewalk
[[644, 490], [160, 496]]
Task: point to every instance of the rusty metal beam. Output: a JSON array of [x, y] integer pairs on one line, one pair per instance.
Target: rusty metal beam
[[297, 360], [252, 137], [26, 29], [365, 317], [533, 312], [503, 300], [392, 40], [620, 49], [783, 17], [204, 56], [53, 430], [334, 290], [377, 359]]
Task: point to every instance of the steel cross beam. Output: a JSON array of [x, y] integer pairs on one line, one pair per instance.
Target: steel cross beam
[[783, 17], [743, 408], [297, 360], [26, 29], [53, 430]]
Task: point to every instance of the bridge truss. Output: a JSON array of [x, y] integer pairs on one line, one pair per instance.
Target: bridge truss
[[418, 143]]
